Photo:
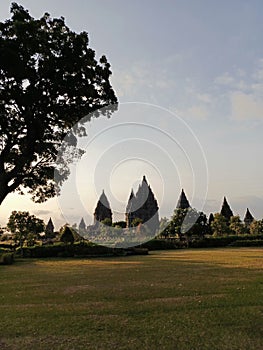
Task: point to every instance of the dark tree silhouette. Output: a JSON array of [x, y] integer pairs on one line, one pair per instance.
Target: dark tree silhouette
[[21, 223], [49, 80]]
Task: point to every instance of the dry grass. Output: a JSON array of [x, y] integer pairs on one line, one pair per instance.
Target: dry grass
[[183, 299]]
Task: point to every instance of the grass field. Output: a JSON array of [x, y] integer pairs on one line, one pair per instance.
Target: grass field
[[183, 299]]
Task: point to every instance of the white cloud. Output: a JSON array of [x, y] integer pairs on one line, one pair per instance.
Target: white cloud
[[199, 112], [245, 106], [225, 79], [206, 98]]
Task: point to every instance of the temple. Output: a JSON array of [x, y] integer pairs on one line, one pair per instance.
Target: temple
[[182, 201], [143, 206], [103, 210]]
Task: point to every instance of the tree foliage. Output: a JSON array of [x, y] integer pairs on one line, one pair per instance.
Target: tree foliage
[[49, 80], [256, 227], [236, 225], [25, 226], [219, 225], [186, 223]]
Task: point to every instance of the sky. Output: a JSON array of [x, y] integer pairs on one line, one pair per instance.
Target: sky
[[187, 71]]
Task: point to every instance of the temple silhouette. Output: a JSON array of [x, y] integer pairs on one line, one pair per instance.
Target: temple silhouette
[[142, 207]]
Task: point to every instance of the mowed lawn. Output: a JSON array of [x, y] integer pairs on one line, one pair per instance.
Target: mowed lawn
[[181, 299]]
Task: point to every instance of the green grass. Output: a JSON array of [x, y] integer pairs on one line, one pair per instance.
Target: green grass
[[183, 299]]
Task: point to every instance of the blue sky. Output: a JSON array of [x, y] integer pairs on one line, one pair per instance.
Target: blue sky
[[203, 61]]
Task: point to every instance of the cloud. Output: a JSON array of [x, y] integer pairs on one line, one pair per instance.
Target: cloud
[[243, 92], [199, 112], [245, 106], [43, 212], [225, 79]]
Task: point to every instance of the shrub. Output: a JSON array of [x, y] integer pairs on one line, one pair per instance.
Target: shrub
[[223, 241], [248, 243], [163, 244], [7, 259]]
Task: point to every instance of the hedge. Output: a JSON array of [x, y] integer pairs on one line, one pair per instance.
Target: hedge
[[7, 259], [224, 241], [82, 249]]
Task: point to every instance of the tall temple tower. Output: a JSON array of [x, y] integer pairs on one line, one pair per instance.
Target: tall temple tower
[[248, 218], [103, 210], [226, 210], [143, 206], [182, 201]]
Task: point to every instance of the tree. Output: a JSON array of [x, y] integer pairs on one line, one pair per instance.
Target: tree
[[256, 227], [236, 225], [219, 225], [24, 225], [164, 227], [49, 80], [174, 227], [119, 224]]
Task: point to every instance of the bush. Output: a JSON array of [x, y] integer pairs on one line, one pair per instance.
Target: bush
[[64, 250], [223, 241], [163, 244], [248, 243], [7, 259]]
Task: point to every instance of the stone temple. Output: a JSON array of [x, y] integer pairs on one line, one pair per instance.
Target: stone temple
[[142, 207], [103, 210]]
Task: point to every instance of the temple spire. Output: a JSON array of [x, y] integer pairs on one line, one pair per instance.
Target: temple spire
[[103, 210], [226, 210], [143, 206], [248, 218], [183, 201]]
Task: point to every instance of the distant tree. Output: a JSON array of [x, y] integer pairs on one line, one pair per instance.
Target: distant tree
[[195, 224], [136, 221], [107, 222], [176, 222], [256, 227], [119, 224], [226, 210], [220, 225], [186, 223], [49, 80], [236, 225], [211, 218], [22, 224], [164, 227], [67, 235]]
